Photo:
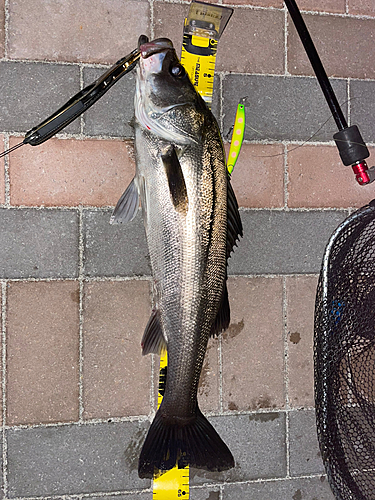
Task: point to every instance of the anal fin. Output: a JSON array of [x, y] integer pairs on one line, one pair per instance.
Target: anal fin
[[153, 340], [222, 320]]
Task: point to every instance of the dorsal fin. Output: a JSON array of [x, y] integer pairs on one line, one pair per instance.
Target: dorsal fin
[[176, 181], [234, 231]]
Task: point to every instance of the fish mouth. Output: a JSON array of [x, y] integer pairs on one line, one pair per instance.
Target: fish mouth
[[147, 48], [141, 40]]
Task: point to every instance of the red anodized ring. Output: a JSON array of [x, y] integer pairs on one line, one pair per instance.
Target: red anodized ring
[[361, 172]]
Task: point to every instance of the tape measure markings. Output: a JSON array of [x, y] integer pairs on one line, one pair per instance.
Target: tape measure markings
[[198, 56]]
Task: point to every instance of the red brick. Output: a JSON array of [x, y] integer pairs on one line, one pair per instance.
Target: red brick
[[72, 30], [342, 43], [2, 170], [2, 28], [253, 346], [258, 176], [300, 323], [337, 6], [168, 22], [70, 172], [256, 3], [317, 178], [42, 352], [257, 52], [362, 7], [117, 378]]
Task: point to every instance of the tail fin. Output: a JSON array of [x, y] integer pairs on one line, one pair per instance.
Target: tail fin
[[192, 442]]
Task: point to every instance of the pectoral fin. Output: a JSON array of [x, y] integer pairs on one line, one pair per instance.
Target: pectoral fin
[[176, 181], [127, 206]]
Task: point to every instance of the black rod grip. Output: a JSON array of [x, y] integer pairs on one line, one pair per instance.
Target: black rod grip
[[351, 145]]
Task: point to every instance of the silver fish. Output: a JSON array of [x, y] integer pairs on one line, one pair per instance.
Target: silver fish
[[192, 222]]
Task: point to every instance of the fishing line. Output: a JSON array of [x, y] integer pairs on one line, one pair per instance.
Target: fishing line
[[304, 143], [296, 147]]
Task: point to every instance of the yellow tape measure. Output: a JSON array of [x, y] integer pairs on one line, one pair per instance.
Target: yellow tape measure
[[198, 57], [202, 29], [172, 484]]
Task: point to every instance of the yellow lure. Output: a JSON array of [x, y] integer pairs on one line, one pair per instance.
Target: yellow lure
[[237, 137]]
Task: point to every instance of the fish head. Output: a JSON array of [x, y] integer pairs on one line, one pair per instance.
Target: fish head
[[166, 102]]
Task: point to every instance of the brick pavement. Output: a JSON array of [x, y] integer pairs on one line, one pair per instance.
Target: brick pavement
[[77, 394]]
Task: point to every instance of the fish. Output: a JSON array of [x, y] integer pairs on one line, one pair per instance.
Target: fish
[[192, 224]]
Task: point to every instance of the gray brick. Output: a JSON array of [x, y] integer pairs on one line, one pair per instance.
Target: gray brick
[[129, 496], [273, 242], [210, 493], [283, 242], [30, 92], [305, 456], [1, 475], [38, 243], [315, 488], [216, 100], [194, 494], [113, 113], [362, 108], [281, 108], [114, 250], [75, 459], [257, 443]]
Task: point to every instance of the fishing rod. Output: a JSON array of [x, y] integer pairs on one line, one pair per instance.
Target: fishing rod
[[352, 148], [349, 141]]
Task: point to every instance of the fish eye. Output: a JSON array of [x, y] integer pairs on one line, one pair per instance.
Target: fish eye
[[177, 71]]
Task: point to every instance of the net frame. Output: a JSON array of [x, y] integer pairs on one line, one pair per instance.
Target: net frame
[[344, 357]]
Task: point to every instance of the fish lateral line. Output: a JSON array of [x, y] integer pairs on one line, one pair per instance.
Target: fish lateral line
[[173, 443]]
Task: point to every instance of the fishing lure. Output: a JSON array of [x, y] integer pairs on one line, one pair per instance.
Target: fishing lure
[[237, 136]]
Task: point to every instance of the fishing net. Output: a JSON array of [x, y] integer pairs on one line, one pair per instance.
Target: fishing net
[[345, 357]]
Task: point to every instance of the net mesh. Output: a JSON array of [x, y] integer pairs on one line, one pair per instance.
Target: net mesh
[[344, 355]]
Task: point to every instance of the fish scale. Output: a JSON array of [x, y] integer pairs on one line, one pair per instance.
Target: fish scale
[[182, 182]]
